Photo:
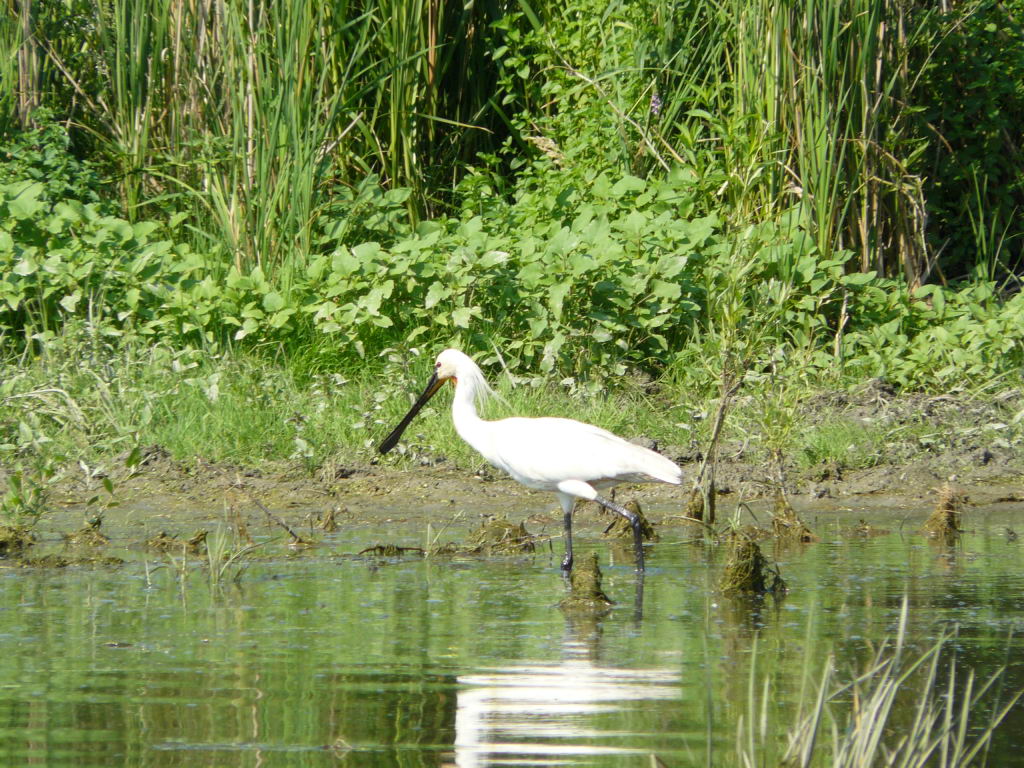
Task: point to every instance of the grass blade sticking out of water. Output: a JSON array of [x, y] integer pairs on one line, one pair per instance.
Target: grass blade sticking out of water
[[868, 725], [224, 554]]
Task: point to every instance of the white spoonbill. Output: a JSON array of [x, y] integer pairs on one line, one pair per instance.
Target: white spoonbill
[[568, 457]]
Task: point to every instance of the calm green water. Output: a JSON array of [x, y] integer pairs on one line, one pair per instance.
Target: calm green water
[[326, 659]]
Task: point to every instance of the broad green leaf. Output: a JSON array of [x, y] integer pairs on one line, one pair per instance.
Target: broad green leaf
[[70, 301], [492, 259], [538, 326], [530, 275], [316, 268], [671, 266], [27, 266], [365, 252], [805, 268], [278, 319], [556, 297], [858, 278], [627, 184], [663, 289], [471, 226], [398, 195], [142, 229], [273, 302], [435, 293], [372, 301], [634, 224], [601, 186], [580, 263], [25, 202]]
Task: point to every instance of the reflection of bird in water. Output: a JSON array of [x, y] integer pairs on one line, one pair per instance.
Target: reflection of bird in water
[[553, 713], [565, 456], [559, 713]]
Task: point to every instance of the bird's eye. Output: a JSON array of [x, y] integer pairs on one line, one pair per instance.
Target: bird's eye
[[437, 366]]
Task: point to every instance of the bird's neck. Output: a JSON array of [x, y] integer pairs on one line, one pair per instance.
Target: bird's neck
[[468, 423]]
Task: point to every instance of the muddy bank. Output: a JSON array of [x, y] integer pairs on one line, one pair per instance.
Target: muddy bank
[[176, 498], [164, 496]]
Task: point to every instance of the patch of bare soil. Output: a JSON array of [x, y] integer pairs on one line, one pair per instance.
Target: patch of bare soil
[[930, 440]]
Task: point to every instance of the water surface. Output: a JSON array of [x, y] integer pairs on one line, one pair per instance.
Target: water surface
[[326, 658]]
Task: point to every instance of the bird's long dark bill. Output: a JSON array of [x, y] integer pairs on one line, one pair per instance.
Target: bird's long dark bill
[[392, 440]]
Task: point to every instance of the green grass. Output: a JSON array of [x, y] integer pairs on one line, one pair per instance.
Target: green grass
[[93, 403], [904, 708], [250, 410], [840, 445]]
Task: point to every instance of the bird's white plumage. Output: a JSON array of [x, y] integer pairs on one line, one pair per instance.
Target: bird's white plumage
[[565, 456], [541, 453]]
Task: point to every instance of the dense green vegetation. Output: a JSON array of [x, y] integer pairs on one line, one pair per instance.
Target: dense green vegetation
[[253, 198]]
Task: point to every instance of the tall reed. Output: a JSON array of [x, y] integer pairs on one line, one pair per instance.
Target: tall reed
[[248, 117], [809, 106]]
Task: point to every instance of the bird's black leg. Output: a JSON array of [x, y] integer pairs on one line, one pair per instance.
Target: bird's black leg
[[567, 560], [638, 598], [634, 522]]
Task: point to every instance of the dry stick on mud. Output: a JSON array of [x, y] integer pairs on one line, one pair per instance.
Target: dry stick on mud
[[700, 506], [297, 541]]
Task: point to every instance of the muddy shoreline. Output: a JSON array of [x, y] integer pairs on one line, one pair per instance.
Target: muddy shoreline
[[165, 496], [965, 448]]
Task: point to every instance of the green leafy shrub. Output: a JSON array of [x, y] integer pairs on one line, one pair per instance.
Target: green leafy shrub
[[43, 154], [67, 259], [935, 338]]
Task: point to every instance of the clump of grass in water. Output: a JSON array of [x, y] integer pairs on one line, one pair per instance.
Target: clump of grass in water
[[585, 593], [747, 571], [224, 554], [500, 537], [786, 524], [619, 528], [25, 501], [89, 535], [164, 542], [390, 550], [944, 521], [700, 505], [494, 537], [15, 540]]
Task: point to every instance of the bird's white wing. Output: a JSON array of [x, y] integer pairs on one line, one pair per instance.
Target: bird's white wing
[[542, 452]]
